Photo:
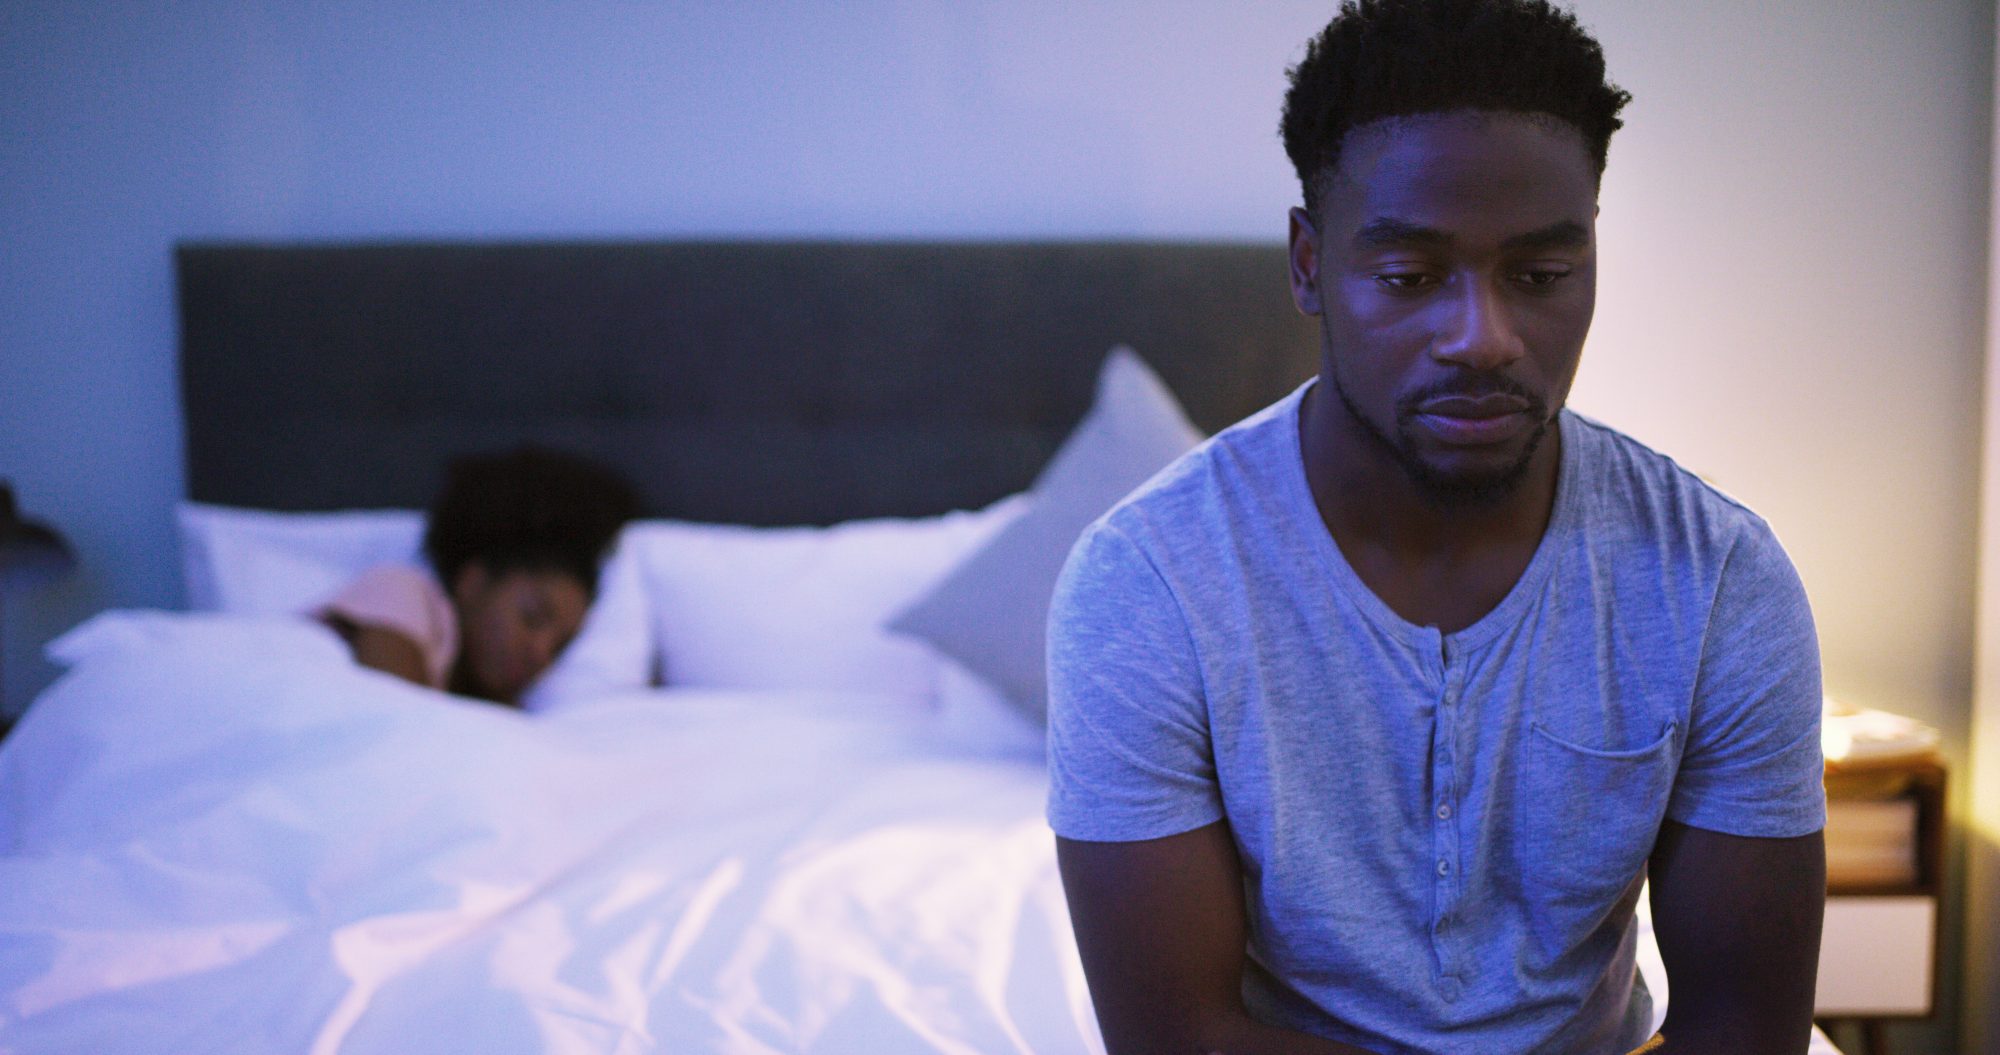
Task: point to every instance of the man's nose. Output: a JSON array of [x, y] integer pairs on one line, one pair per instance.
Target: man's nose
[[1479, 331]]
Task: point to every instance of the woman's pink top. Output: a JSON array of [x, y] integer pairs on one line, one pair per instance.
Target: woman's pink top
[[408, 600]]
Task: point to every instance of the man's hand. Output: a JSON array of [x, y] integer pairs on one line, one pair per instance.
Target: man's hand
[[1160, 925], [1738, 922]]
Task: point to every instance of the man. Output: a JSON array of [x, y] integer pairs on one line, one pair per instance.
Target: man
[[1370, 717]]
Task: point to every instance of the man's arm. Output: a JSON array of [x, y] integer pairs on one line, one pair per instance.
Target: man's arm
[[1738, 923], [1160, 925]]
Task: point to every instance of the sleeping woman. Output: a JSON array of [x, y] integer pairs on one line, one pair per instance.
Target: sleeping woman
[[514, 543]]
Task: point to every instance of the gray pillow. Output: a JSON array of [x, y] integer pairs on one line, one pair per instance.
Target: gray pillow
[[991, 612]]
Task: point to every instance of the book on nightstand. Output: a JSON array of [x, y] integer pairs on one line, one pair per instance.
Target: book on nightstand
[[1871, 842], [1884, 865]]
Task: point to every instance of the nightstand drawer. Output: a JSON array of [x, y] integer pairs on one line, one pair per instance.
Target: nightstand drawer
[[1875, 956]]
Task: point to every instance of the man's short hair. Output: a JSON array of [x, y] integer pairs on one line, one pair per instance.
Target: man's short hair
[[1397, 58]]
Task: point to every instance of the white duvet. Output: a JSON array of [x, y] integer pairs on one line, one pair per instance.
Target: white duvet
[[219, 835]]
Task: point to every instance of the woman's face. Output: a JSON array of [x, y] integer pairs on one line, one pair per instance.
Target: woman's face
[[512, 625]]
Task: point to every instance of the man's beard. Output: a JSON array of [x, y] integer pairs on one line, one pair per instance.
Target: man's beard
[[1452, 490]]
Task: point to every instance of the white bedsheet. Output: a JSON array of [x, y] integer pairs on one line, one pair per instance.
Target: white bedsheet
[[220, 836]]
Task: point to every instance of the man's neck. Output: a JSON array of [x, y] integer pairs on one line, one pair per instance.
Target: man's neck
[[1435, 561]]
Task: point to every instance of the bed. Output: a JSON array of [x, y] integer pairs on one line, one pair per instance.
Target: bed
[[784, 792]]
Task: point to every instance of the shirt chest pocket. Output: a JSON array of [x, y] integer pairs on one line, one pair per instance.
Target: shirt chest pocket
[[1592, 814]]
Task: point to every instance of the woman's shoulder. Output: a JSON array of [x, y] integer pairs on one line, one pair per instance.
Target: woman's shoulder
[[398, 581], [405, 599]]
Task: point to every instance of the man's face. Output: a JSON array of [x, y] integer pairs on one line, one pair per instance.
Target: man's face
[[1453, 269]]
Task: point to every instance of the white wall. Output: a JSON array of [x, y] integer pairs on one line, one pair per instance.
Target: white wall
[[1982, 916], [1793, 240]]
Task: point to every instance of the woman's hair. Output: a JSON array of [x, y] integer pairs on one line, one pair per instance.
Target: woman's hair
[[528, 509], [1399, 58]]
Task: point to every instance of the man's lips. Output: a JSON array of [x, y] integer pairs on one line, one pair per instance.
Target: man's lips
[[1474, 420], [1492, 405]]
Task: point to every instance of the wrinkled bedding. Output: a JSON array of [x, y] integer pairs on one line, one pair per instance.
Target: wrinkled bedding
[[219, 835]]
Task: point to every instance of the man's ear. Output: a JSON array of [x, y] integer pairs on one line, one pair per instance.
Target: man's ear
[[1304, 252]]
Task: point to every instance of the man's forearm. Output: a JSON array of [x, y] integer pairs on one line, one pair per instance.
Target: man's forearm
[[1738, 921], [1685, 1041], [1243, 1035], [1246, 1036]]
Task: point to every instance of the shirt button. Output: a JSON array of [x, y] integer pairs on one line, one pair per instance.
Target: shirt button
[[1444, 811], [1444, 867]]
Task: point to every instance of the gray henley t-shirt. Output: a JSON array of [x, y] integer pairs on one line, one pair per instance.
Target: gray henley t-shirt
[[1443, 836]]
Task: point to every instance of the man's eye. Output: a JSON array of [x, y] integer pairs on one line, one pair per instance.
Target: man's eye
[[1405, 281], [1542, 277]]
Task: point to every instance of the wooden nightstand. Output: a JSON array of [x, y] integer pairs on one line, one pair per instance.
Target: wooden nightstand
[[1885, 877]]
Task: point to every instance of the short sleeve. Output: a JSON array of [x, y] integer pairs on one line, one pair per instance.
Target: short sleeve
[[1752, 765], [1130, 755], [408, 600]]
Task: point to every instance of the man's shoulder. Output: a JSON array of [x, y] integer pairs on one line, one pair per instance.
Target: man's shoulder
[[1246, 461], [1227, 496], [1625, 480]]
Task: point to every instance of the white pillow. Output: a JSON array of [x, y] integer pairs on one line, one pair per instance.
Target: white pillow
[[974, 715], [802, 607], [257, 562], [613, 649]]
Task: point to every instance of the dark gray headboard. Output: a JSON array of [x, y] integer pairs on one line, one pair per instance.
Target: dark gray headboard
[[755, 382]]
